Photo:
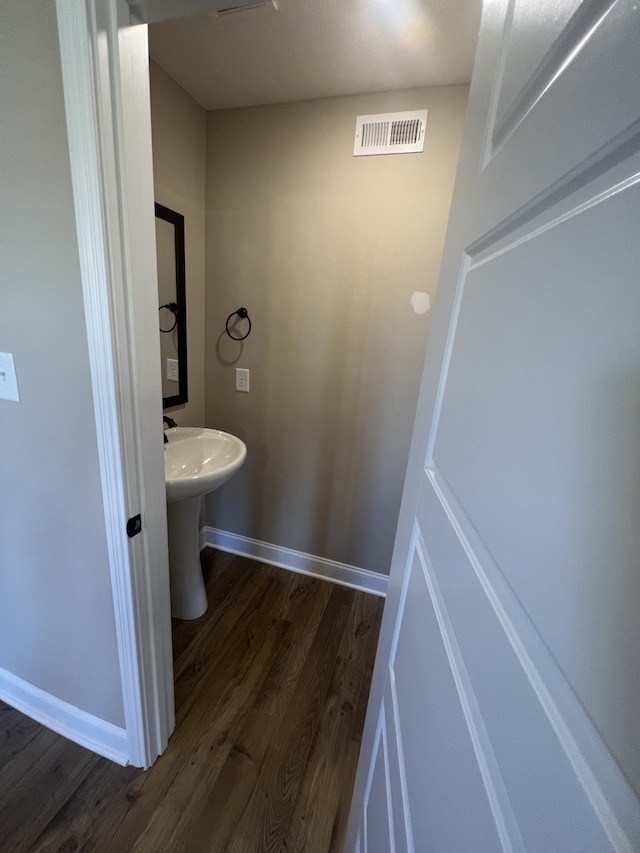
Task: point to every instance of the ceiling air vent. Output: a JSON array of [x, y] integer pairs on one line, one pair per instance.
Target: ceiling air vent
[[390, 133]]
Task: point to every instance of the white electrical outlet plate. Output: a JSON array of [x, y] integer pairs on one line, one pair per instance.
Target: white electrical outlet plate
[[8, 380], [242, 379], [172, 369]]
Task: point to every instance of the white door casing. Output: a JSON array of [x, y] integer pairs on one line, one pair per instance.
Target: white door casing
[[503, 709], [105, 58], [106, 88]]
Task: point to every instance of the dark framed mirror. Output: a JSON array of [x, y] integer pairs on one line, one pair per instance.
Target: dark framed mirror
[[172, 305]]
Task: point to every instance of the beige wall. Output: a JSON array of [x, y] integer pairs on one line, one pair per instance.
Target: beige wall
[[56, 606], [179, 128], [325, 251]]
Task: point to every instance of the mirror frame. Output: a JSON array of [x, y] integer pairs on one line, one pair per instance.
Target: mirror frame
[[177, 220]]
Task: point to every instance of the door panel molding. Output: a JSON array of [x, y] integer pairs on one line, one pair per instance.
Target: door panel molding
[[396, 751], [445, 718], [505, 821], [441, 386], [387, 785], [562, 146], [595, 769], [603, 168], [483, 252], [506, 824], [564, 50], [380, 763]]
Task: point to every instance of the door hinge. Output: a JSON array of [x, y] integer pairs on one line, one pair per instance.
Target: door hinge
[[134, 526]]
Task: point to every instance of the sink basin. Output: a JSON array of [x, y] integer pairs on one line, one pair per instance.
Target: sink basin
[[197, 461]]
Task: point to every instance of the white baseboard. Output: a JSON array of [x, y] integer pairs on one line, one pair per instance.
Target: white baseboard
[[295, 561], [79, 726]]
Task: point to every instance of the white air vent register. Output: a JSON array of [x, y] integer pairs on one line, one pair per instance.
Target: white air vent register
[[390, 133]]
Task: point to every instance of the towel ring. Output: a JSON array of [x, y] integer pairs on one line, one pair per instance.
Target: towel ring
[[173, 307], [243, 314]]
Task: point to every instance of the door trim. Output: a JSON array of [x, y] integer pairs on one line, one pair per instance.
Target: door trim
[[105, 74]]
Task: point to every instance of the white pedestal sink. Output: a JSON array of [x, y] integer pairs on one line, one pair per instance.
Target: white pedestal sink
[[196, 462]]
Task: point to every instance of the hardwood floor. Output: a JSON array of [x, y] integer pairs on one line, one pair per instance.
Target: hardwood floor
[[271, 690]]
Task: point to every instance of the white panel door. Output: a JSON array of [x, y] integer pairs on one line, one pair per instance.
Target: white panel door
[[505, 705]]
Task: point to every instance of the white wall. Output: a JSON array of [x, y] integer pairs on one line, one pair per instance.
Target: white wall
[[179, 127], [57, 627]]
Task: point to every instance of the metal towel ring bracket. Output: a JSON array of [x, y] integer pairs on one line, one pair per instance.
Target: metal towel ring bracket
[[244, 315], [173, 307]]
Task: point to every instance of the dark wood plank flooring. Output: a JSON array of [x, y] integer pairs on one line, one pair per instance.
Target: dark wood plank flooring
[[271, 690]]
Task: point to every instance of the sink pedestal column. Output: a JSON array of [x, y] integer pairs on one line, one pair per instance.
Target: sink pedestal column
[[188, 593]]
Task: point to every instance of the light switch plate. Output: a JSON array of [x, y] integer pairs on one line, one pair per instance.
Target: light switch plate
[[8, 380]]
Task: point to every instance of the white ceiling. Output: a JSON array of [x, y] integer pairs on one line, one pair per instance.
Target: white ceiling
[[318, 49]]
